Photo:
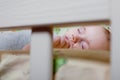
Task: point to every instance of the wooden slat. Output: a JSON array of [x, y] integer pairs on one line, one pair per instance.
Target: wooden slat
[[16, 28], [85, 23], [72, 53], [82, 54], [41, 12], [14, 52]]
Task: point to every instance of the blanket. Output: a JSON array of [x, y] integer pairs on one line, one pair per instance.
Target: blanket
[[14, 67]]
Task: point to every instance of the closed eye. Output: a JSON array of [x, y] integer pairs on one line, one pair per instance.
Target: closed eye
[[84, 45]]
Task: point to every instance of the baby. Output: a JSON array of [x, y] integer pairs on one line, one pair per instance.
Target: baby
[[92, 37]]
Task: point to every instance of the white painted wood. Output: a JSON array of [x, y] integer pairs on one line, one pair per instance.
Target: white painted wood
[[41, 56], [38, 12], [115, 47]]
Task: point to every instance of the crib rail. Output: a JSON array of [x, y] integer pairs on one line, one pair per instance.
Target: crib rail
[[14, 52], [71, 53], [82, 54]]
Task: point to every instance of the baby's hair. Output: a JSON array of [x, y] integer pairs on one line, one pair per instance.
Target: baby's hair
[[108, 34]]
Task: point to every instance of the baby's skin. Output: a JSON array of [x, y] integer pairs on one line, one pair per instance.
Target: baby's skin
[[92, 37]]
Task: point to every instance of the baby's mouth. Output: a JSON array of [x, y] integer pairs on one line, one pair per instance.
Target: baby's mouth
[[69, 41]]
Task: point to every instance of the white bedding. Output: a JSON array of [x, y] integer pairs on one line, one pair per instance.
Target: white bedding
[[10, 40], [14, 67], [83, 70]]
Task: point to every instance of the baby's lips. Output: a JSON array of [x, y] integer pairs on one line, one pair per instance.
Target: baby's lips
[[69, 42]]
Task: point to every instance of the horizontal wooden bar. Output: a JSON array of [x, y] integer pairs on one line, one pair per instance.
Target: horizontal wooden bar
[[82, 54], [15, 28], [66, 24], [71, 53], [14, 52], [102, 22]]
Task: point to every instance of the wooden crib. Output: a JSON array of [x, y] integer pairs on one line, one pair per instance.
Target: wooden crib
[[41, 16], [99, 59]]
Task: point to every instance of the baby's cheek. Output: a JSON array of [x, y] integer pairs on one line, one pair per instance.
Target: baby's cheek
[[77, 46], [97, 46]]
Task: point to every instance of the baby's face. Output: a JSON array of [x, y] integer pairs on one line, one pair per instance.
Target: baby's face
[[92, 37]]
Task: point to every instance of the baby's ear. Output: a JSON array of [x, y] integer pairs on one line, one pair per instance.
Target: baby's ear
[[26, 47]]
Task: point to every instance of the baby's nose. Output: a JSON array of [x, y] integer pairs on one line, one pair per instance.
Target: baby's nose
[[76, 38]]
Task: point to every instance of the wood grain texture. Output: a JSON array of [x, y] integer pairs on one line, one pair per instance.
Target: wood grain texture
[[83, 54], [14, 13], [16, 52], [72, 53]]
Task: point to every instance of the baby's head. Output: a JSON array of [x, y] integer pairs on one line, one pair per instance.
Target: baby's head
[[92, 37]]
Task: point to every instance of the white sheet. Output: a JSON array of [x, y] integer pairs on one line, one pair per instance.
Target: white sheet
[[14, 67]]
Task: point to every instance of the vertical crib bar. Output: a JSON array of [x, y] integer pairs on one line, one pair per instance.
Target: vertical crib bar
[[115, 47], [41, 57]]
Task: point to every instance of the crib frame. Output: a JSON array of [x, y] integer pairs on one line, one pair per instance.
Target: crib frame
[[23, 15]]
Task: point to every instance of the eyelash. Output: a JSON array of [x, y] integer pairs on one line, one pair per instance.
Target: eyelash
[[81, 44], [84, 44]]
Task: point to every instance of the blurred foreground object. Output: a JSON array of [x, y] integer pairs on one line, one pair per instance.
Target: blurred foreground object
[[14, 67], [83, 65]]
